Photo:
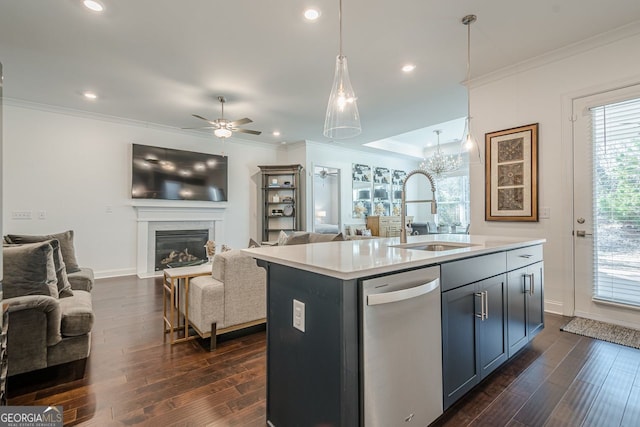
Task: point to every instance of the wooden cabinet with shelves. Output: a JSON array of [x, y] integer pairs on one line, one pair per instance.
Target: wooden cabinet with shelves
[[281, 200], [386, 226]]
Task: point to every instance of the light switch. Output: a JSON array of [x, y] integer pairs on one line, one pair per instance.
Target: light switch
[[298, 315], [545, 213]]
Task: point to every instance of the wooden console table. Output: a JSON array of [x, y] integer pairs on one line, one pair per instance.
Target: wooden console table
[[171, 282]]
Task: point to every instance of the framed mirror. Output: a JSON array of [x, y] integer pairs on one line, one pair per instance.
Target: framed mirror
[[326, 200]]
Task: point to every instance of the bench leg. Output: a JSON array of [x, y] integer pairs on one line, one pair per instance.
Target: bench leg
[[212, 343]]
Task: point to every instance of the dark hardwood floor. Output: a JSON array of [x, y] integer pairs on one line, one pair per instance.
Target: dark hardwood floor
[[133, 378]]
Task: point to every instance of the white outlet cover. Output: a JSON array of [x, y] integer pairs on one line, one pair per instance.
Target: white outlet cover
[[298, 315]]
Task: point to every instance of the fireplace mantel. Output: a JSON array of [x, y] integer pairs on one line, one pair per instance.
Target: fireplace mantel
[[153, 215]]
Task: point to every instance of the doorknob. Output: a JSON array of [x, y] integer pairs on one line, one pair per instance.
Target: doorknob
[[583, 233]]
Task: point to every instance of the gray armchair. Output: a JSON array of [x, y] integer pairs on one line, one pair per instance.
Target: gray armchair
[[50, 316]]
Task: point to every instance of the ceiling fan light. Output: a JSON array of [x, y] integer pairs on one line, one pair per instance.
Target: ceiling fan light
[[93, 5], [222, 133], [342, 119]]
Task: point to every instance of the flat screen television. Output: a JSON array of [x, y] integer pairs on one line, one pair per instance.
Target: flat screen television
[[168, 174]]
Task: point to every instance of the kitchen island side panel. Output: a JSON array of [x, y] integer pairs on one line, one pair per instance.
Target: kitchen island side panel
[[312, 375]]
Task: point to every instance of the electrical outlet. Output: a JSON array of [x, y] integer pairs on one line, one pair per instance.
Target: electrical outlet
[[42, 214], [298, 315], [21, 215], [108, 209]]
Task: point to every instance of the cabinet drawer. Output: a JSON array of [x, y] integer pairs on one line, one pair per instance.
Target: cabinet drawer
[[458, 273], [524, 256]]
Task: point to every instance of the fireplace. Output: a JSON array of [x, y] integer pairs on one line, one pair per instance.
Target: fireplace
[[179, 248], [178, 215]]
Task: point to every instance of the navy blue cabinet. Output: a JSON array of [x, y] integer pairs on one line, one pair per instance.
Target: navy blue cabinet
[[473, 335]]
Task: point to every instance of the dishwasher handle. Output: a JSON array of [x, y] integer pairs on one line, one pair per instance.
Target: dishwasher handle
[[403, 294]]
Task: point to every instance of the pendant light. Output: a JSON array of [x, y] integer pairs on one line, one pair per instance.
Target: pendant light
[[469, 142], [342, 119], [440, 164]]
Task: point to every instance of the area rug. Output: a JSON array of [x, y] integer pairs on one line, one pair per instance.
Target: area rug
[[604, 331]]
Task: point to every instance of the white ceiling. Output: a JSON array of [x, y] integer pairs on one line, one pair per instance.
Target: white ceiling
[[160, 61]]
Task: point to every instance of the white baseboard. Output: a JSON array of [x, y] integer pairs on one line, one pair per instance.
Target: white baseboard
[[115, 273], [554, 307]]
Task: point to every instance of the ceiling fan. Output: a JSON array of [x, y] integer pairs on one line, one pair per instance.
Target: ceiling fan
[[224, 128], [324, 173]]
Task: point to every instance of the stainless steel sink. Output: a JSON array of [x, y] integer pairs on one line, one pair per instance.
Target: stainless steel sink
[[434, 246]]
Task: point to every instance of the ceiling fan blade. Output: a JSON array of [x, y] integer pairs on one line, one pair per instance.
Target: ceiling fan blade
[[252, 132], [241, 121], [202, 127], [202, 118]]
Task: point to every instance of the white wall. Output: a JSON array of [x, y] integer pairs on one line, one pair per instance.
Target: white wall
[[76, 166], [539, 93]]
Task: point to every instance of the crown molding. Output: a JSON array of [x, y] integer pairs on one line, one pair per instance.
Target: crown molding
[[591, 43], [21, 103]]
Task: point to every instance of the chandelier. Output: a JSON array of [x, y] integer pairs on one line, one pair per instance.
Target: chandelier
[[440, 164]]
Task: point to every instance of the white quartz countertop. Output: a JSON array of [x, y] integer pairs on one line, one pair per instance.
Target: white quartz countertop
[[361, 258]]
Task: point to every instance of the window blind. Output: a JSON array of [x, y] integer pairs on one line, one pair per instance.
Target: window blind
[[616, 202]]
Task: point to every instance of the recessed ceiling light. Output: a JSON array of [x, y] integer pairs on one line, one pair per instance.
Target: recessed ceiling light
[[408, 68], [311, 14], [90, 95], [276, 133], [94, 5]]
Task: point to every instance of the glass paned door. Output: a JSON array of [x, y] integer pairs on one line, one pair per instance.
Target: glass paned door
[[607, 206]]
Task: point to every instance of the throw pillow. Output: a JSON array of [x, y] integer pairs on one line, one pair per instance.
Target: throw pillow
[[66, 246], [297, 239], [64, 287], [253, 244], [339, 238], [282, 238], [29, 269]]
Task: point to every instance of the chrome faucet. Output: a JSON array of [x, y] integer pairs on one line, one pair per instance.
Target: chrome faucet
[[404, 201]]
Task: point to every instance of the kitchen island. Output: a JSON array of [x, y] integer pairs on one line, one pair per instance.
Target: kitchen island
[[324, 355]]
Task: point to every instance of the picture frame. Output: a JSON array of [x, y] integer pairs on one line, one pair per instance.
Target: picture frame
[[511, 174]]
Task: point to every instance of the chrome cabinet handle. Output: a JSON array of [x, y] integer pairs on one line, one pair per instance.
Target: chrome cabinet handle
[[533, 284], [481, 296], [525, 256], [484, 305]]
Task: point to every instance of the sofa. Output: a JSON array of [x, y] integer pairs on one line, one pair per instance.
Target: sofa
[[48, 297]]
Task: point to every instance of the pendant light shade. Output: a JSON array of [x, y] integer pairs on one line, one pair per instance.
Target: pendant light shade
[[342, 119], [469, 142]]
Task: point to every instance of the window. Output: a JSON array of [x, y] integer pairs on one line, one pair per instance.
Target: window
[[616, 195], [452, 194]]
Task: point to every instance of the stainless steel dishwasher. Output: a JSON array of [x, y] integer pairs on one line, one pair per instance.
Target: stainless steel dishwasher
[[401, 349]]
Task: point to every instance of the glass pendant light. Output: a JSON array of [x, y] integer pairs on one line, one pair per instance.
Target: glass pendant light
[[342, 119], [469, 142]]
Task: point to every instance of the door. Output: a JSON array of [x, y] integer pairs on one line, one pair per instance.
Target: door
[[606, 205], [535, 299], [460, 368], [517, 336], [492, 339]]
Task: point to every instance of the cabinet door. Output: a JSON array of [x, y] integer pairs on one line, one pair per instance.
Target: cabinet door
[[460, 367], [535, 310], [517, 292], [492, 340]]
